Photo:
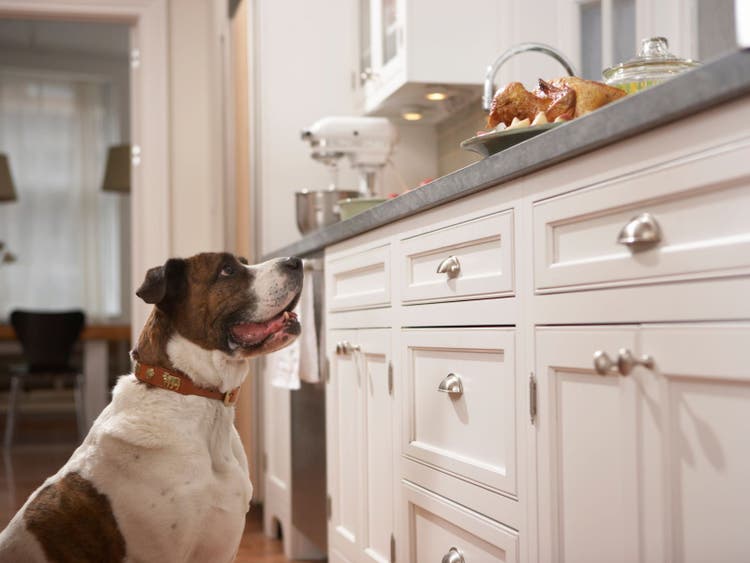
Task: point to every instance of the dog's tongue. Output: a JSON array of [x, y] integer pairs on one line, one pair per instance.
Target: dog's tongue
[[250, 333]]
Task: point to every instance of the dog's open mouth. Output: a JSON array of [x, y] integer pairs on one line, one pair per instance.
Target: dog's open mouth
[[251, 335]]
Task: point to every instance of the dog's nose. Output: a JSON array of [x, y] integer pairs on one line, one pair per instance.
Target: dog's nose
[[292, 263]]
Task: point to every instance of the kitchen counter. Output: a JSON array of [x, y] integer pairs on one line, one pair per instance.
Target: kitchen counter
[[716, 82]]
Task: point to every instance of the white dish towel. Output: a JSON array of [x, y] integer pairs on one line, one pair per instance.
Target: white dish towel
[[299, 360]]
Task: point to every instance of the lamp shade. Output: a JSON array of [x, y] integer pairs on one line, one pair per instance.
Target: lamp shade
[[7, 190], [117, 174]]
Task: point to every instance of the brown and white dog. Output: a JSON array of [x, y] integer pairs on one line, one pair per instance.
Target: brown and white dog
[[162, 475]]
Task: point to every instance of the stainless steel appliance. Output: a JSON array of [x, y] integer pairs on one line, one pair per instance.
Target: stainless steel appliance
[[308, 427], [319, 208]]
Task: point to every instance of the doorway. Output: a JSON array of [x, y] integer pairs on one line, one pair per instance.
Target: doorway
[[150, 218]]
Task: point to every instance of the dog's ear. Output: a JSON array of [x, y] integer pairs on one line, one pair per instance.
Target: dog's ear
[[162, 282]]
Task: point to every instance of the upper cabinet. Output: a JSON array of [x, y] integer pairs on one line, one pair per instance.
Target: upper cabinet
[[408, 49], [411, 48]]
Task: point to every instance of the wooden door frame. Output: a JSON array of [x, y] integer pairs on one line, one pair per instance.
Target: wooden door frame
[[151, 214]]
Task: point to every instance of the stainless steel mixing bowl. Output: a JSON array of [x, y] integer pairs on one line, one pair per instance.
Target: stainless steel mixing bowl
[[318, 208]]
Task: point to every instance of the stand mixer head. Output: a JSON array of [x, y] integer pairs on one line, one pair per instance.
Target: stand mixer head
[[366, 141]]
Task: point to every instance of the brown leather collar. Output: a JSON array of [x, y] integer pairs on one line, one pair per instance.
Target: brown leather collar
[[178, 382]]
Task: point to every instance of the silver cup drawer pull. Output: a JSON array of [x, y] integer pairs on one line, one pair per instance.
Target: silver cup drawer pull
[[450, 267], [642, 231], [452, 385], [454, 555], [625, 363]]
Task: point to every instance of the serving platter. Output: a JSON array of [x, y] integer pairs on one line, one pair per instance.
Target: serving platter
[[491, 143]]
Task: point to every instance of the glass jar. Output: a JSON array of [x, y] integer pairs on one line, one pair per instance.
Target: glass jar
[[653, 65]]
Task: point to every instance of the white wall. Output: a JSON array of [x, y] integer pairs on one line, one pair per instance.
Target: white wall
[[302, 55], [196, 127]]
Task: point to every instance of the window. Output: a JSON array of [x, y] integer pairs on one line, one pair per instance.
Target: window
[[607, 32], [55, 129]]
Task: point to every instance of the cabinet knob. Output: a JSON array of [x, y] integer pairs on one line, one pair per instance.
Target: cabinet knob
[[626, 361], [603, 364], [641, 231], [452, 385], [454, 555], [345, 347], [367, 74], [450, 266]]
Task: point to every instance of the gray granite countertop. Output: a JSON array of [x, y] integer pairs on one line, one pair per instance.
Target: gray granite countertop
[[714, 83]]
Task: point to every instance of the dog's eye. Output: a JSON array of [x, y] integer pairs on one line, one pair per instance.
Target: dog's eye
[[227, 270]]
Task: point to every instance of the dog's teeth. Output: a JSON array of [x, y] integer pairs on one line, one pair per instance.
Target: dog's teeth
[[286, 315], [233, 345]]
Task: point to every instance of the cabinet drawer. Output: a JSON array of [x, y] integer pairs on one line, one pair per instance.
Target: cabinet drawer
[[436, 526], [360, 281], [483, 249], [700, 204], [450, 431]]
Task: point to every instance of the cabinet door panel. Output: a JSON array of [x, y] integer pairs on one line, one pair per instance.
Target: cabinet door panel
[[704, 393], [379, 467], [651, 466], [450, 431], [359, 281], [344, 406], [587, 458]]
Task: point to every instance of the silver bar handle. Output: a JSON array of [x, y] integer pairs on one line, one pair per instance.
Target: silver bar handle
[[450, 266], [452, 385]]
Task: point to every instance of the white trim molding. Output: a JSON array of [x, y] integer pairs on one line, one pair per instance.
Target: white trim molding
[[151, 216]]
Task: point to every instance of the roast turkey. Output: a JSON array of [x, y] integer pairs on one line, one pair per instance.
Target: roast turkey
[[565, 98]]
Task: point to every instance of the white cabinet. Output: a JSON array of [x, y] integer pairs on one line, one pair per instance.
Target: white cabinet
[[360, 281], [407, 45], [361, 438], [534, 456], [439, 528], [588, 509], [459, 387], [468, 259], [697, 203], [648, 466]]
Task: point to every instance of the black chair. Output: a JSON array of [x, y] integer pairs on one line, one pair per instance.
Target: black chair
[[47, 340]]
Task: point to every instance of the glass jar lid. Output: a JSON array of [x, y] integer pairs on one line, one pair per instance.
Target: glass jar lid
[[654, 59]]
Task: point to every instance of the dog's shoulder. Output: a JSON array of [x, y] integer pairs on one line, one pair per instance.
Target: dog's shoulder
[[72, 520]]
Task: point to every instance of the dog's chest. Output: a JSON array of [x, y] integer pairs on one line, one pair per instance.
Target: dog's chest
[[179, 485], [191, 509]]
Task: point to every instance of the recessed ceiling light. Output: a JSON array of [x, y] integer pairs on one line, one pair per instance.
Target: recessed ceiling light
[[436, 96], [412, 114]]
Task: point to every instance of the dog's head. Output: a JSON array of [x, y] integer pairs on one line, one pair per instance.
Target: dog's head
[[220, 303]]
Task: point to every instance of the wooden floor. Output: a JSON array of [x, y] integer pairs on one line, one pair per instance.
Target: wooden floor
[[30, 462]]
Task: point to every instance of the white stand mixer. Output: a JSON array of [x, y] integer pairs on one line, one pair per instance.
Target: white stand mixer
[[366, 141]]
